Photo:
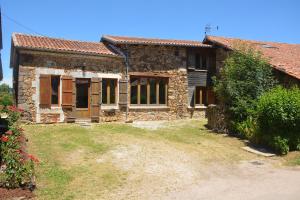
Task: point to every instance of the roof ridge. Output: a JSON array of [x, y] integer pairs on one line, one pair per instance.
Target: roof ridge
[[54, 38], [151, 38], [251, 40]]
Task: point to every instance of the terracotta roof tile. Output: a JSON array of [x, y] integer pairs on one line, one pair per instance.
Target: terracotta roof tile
[[284, 57], [55, 44], [152, 41]]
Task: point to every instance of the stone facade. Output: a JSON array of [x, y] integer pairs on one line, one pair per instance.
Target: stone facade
[[164, 60], [27, 92], [167, 60]]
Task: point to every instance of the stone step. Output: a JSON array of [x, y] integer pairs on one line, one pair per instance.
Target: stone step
[[86, 123]]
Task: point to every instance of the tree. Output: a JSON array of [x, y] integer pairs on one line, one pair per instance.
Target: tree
[[243, 79]]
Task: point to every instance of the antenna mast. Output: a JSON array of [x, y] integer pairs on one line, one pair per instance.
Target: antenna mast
[[208, 29]]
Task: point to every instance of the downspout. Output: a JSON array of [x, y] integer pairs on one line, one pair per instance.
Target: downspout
[[127, 80], [125, 56]]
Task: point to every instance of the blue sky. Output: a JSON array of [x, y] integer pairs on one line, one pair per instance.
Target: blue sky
[[267, 20]]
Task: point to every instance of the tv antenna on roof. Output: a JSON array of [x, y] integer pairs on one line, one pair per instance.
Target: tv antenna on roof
[[208, 29]]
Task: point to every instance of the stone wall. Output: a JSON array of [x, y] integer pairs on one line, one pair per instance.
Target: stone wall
[[166, 60], [73, 62], [27, 92], [216, 119], [169, 61]]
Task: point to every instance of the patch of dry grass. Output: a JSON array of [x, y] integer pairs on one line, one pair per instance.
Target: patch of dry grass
[[69, 154]]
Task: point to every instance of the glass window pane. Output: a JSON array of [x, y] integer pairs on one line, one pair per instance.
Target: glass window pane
[[162, 91], [198, 61], [152, 83], [104, 91], [112, 91], [200, 95], [191, 60], [55, 89], [143, 83], [204, 62], [133, 90], [197, 95]]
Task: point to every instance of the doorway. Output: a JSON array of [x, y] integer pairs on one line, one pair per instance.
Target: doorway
[[82, 98]]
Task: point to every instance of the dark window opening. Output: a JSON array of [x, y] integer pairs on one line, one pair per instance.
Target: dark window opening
[[152, 84], [200, 96], [133, 90], [55, 81], [109, 90], [204, 62], [162, 91], [143, 84], [104, 91], [197, 61], [82, 94]]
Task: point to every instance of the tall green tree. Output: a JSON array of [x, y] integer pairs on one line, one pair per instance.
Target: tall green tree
[[245, 76]]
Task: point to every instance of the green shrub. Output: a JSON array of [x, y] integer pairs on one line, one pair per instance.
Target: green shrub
[[248, 129], [18, 165], [244, 77], [6, 98], [278, 118], [280, 145]]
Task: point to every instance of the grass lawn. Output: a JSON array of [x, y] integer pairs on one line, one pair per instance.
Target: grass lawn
[[92, 163]]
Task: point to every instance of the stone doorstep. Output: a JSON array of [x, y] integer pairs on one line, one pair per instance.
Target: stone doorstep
[[258, 151]]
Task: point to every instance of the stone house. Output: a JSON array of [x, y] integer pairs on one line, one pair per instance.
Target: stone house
[[127, 78], [116, 79]]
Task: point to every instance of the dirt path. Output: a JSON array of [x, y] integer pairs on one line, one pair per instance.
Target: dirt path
[[246, 181], [160, 170]]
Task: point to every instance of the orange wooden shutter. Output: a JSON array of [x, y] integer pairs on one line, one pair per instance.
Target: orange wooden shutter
[[67, 92], [95, 97], [45, 91]]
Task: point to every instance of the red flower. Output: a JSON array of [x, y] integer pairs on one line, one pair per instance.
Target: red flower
[[31, 157], [9, 132], [14, 109], [4, 138], [19, 151]]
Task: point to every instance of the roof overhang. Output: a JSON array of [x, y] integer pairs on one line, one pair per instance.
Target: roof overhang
[[163, 42]]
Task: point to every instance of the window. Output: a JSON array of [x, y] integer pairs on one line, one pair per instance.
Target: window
[[200, 96], [198, 61], [55, 82], [109, 91], [148, 91]]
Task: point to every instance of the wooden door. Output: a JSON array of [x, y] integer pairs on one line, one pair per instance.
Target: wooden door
[[83, 98]]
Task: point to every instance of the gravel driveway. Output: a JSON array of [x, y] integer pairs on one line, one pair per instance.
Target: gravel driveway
[[158, 170]]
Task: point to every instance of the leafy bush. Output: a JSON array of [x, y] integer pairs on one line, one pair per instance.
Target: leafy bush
[[6, 98], [244, 77], [280, 145], [278, 119], [16, 163], [248, 129]]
